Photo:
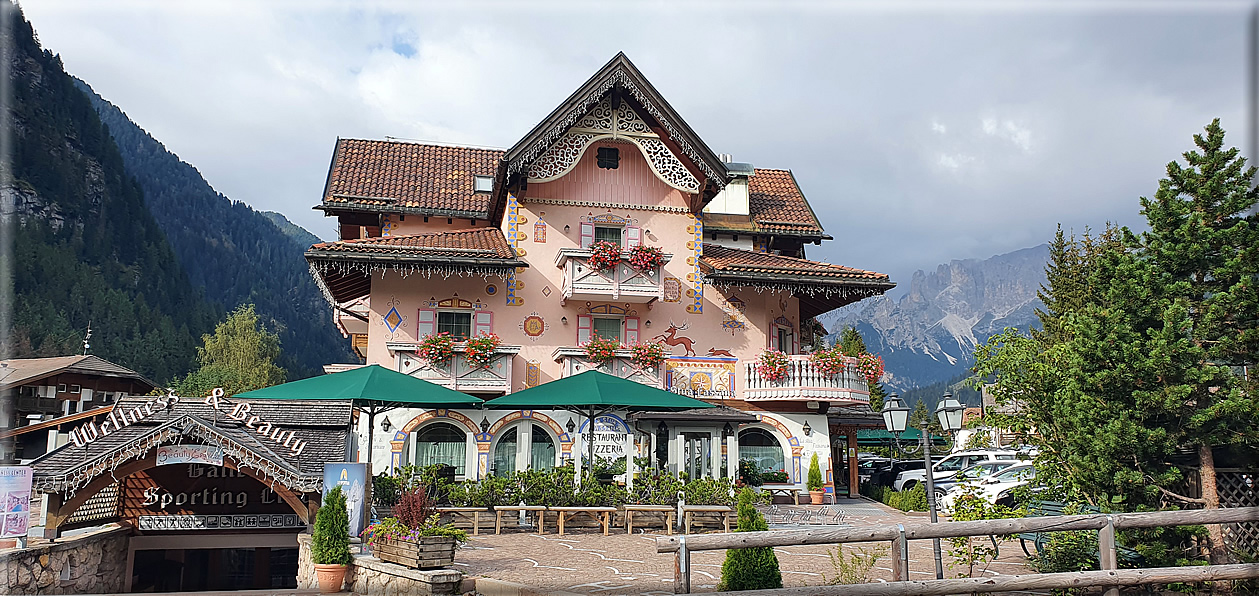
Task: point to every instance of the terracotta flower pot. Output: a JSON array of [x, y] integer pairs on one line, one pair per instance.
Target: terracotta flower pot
[[815, 496], [331, 577]]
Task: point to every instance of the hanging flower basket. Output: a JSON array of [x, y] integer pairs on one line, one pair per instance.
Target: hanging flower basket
[[828, 362], [646, 258], [870, 366], [600, 350], [480, 350], [773, 366], [604, 255], [647, 354], [437, 348]]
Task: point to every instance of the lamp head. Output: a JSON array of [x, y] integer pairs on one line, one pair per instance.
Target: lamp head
[[571, 426], [895, 414], [950, 413], [808, 430], [385, 425], [485, 425]]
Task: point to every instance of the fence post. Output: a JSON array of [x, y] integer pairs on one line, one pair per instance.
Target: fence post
[[682, 568], [1107, 555], [900, 556]]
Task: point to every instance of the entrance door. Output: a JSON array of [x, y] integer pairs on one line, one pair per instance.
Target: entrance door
[[697, 454]]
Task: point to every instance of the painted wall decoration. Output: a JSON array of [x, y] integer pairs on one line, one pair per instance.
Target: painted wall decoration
[[760, 244], [388, 226], [672, 289], [491, 290], [734, 321], [546, 291], [533, 326], [670, 338], [539, 231], [533, 374], [393, 320], [514, 284], [722, 353], [696, 292], [701, 377]]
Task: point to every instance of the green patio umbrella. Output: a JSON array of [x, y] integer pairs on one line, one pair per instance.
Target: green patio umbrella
[[593, 393], [883, 438], [375, 388]]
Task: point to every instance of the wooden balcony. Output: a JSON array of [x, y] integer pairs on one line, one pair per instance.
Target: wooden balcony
[[805, 383], [573, 360], [622, 283], [458, 373]]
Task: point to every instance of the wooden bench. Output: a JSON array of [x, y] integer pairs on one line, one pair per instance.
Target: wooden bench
[[499, 511], [668, 510], [602, 515], [1051, 508], [689, 511], [790, 491], [470, 513]]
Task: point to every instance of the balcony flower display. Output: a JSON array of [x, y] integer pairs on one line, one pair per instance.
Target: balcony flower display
[[829, 362], [437, 348], [870, 366], [646, 258], [600, 350], [773, 365], [604, 255], [480, 349], [649, 354]]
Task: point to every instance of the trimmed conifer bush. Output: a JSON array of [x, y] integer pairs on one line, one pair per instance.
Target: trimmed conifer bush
[[330, 544], [815, 474], [750, 568]]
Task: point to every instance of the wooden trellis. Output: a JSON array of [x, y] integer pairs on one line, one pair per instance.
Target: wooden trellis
[[1240, 488], [101, 508]]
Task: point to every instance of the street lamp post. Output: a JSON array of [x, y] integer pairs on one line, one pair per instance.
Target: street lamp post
[[896, 418]]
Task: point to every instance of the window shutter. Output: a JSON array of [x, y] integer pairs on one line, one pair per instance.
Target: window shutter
[[587, 235], [795, 343], [633, 236], [631, 331], [773, 337], [585, 326], [483, 322], [427, 318]]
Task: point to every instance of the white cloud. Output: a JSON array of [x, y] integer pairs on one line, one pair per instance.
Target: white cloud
[[938, 128], [1009, 130]]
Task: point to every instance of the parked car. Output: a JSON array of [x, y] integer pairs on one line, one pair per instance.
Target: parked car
[[996, 489], [975, 472], [950, 465]]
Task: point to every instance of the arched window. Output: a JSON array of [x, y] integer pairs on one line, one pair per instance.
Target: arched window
[[441, 443], [511, 453], [758, 445]]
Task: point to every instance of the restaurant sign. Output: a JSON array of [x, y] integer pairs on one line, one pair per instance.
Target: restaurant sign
[[610, 435], [701, 377]]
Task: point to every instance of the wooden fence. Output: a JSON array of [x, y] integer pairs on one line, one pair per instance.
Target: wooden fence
[[901, 534]]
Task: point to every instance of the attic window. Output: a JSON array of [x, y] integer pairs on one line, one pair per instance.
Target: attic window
[[483, 184], [608, 157]]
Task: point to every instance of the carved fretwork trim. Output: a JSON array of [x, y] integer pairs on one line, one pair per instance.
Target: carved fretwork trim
[[564, 202]]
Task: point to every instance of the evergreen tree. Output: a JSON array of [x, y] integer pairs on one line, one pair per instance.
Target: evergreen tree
[[240, 356], [750, 568], [851, 343], [330, 542]]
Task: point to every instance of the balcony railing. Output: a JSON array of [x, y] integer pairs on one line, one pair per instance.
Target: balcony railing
[[623, 282], [804, 382], [458, 373], [573, 360]]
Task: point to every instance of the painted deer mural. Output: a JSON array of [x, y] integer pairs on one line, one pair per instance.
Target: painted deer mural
[[669, 338]]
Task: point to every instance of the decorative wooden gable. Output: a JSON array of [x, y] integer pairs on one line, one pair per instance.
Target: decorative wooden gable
[[612, 118]]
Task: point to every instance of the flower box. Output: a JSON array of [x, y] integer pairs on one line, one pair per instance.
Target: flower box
[[424, 552]]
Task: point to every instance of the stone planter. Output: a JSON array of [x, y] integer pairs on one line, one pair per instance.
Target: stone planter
[[425, 552]]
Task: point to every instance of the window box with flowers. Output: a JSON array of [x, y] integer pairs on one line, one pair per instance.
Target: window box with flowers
[[437, 348], [604, 255], [870, 367], [646, 258], [775, 477], [829, 362], [479, 351], [772, 366], [649, 354], [600, 350]]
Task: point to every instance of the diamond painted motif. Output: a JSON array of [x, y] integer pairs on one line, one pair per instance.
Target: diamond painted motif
[[393, 319], [546, 290]]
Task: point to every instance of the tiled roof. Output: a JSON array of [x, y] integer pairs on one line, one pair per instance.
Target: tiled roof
[[396, 176], [484, 243], [19, 371], [777, 205], [725, 260]]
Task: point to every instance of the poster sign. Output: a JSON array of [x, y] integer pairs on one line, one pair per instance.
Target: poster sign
[[352, 478], [701, 377], [219, 522], [15, 506], [610, 435], [168, 455]]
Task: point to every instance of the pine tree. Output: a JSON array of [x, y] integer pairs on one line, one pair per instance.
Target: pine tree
[[851, 343], [750, 568]]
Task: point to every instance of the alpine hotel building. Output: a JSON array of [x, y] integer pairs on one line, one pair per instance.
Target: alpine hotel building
[[437, 238]]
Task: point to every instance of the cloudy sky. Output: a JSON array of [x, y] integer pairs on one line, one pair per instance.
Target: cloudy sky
[[920, 133]]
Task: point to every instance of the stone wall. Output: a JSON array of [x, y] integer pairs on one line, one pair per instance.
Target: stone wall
[[93, 563], [371, 576]]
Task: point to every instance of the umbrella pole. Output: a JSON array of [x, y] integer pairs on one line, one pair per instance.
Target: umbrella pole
[[590, 437], [371, 429]]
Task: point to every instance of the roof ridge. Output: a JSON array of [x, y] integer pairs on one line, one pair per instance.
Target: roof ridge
[[426, 143], [788, 258]]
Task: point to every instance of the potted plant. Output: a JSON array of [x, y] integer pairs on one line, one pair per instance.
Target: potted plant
[[604, 254], [829, 362], [415, 536], [646, 258], [648, 354], [815, 481], [330, 544], [772, 366], [437, 348], [479, 350], [600, 350], [870, 366]]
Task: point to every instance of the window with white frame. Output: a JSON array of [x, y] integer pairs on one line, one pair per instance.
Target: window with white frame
[[608, 233], [440, 443], [483, 184], [456, 323], [608, 328]]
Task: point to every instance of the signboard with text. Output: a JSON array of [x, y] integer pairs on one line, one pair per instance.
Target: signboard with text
[[352, 478], [15, 501], [701, 377], [168, 455], [168, 493], [610, 435]]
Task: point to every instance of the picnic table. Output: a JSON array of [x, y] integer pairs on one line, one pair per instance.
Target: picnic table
[[501, 509], [668, 510], [791, 491], [470, 513], [689, 511], [602, 515]]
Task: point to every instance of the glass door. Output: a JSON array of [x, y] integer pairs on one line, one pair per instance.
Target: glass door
[[697, 455]]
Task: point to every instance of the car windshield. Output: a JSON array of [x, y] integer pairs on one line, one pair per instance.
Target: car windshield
[[1016, 473], [950, 464], [981, 470]]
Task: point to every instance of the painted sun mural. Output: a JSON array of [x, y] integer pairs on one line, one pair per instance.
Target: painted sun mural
[[533, 326]]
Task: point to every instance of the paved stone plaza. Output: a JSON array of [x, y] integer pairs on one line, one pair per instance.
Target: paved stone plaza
[[586, 562]]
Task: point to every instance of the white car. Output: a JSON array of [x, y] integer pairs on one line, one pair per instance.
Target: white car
[[950, 465], [996, 489]]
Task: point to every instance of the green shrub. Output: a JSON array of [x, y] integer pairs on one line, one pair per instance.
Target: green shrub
[[385, 490], [709, 491], [750, 473], [815, 474], [330, 544], [914, 499], [855, 568], [656, 489], [750, 568], [974, 551]]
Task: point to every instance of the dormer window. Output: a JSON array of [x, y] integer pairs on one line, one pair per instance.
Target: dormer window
[[483, 184], [608, 158]]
